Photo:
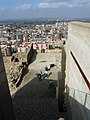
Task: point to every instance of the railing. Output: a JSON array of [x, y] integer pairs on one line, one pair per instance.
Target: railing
[[79, 103]]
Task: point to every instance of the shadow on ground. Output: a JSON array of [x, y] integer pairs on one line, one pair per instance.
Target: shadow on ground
[[35, 101], [24, 72], [38, 89], [31, 57]]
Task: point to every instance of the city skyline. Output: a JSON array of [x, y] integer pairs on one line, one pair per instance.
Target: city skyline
[[16, 9]]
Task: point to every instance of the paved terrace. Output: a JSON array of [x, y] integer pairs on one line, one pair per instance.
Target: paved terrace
[[33, 99], [30, 82]]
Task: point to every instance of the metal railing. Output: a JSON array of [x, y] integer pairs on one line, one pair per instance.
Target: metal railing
[[79, 103]]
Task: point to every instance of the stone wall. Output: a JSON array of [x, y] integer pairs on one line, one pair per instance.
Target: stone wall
[[6, 106], [78, 69]]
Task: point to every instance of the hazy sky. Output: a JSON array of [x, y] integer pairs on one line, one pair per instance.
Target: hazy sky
[[44, 8]]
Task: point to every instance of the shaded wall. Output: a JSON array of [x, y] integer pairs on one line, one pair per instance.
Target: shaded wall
[[6, 106], [78, 70]]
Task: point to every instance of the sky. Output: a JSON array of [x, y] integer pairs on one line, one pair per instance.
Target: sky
[[18, 9]]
